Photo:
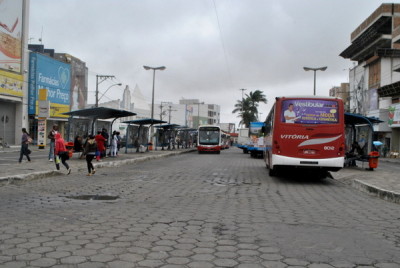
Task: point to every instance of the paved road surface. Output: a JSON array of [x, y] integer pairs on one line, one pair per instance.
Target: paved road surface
[[195, 210]]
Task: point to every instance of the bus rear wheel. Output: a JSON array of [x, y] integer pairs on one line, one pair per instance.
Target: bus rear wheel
[[271, 171]]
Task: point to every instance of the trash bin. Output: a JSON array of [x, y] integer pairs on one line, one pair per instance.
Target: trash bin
[[150, 146], [70, 147], [373, 159]]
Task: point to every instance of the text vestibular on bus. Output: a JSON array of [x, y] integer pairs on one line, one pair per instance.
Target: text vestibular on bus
[[306, 132], [209, 139]]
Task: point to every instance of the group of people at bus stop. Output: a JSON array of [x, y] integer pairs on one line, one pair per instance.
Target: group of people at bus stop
[[91, 147]]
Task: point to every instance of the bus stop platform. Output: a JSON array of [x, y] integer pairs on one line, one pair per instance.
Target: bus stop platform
[[381, 182]]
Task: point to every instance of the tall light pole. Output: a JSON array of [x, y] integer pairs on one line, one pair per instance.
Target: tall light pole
[[161, 68], [198, 112], [315, 70], [118, 84]]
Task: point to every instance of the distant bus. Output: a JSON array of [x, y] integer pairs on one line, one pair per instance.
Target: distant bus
[[209, 139], [305, 132], [225, 140]]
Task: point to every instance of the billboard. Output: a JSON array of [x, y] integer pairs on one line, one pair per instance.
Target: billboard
[[255, 128], [310, 111], [79, 84], [53, 75], [11, 84], [11, 34]]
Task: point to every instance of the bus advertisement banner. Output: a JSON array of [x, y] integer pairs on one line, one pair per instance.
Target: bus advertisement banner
[[310, 111]]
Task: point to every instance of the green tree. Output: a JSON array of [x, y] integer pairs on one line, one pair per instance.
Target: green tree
[[255, 98], [247, 108]]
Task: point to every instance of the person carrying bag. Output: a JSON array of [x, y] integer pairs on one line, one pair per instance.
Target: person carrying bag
[[61, 153], [25, 140], [90, 152]]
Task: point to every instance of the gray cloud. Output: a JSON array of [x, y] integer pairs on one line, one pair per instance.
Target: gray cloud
[[262, 44]]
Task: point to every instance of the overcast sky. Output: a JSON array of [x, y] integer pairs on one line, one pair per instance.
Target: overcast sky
[[211, 48]]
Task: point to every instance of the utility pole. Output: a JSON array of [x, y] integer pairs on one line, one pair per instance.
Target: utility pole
[[102, 79], [161, 108], [169, 115]]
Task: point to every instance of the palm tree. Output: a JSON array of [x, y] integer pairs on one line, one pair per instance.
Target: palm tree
[[247, 111], [255, 98]]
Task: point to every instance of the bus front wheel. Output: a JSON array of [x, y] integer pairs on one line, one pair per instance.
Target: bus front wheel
[[271, 171]]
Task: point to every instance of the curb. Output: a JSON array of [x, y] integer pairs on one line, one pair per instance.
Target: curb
[[43, 174], [368, 188], [374, 190]]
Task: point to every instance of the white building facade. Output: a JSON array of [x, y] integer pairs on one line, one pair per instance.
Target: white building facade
[[375, 80], [188, 112]]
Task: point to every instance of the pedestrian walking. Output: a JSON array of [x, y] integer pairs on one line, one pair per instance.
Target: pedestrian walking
[[114, 144], [61, 153], [52, 137], [118, 141], [100, 140], [25, 140], [90, 152]]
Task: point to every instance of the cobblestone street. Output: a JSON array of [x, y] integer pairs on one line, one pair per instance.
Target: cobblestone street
[[195, 210]]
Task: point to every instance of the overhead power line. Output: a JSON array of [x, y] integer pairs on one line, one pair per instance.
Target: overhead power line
[[223, 45]]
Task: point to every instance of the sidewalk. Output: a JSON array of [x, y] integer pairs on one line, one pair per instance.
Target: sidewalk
[[43, 168], [382, 183]]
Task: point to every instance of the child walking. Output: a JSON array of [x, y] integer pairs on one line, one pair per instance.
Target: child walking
[[90, 152]]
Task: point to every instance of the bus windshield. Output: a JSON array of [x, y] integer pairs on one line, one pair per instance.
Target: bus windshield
[[310, 111], [209, 135]]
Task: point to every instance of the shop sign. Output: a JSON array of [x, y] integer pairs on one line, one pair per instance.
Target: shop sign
[[394, 116], [53, 75]]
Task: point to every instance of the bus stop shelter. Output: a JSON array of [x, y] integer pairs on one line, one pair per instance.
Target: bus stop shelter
[[166, 135], [140, 123], [186, 136], [99, 113], [359, 136]]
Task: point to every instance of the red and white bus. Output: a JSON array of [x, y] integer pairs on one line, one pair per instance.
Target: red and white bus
[[209, 139], [305, 132]]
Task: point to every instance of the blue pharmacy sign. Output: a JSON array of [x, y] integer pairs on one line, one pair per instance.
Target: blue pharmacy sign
[[53, 75]]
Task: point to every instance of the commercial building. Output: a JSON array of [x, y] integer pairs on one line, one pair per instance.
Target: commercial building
[[13, 70], [343, 92], [189, 112], [374, 83]]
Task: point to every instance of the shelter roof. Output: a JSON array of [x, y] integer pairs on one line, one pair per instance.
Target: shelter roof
[[101, 113], [358, 119], [145, 121], [168, 126]]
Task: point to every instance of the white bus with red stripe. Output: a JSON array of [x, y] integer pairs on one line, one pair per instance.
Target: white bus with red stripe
[[305, 132], [209, 139]]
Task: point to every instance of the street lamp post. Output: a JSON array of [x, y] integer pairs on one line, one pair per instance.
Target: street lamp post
[[315, 70], [103, 78], [118, 84], [161, 68]]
